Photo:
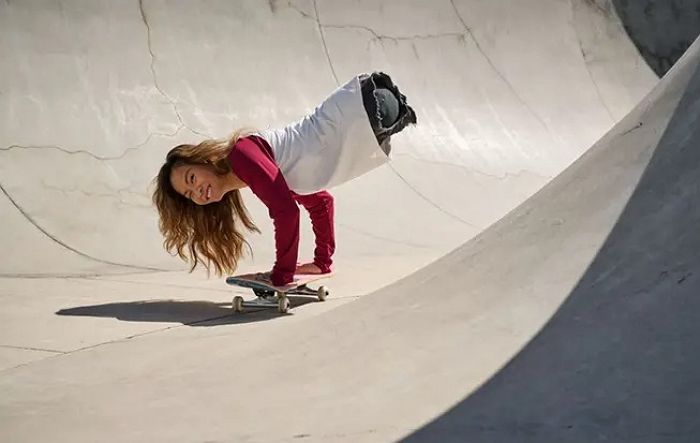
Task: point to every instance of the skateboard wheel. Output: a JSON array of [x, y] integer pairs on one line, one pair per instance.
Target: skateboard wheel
[[283, 304], [238, 304], [322, 293]]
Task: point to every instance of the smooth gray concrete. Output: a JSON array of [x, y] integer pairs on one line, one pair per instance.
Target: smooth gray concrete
[[104, 337], [662, 30], [617, 361]]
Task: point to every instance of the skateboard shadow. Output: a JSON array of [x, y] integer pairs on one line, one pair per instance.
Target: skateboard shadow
[[189, 313]]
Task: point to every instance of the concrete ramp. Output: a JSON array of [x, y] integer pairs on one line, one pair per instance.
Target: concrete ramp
[[569, 319], [616, 233]]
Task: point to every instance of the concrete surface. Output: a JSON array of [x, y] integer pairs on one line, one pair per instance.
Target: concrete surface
[[661, 29], [104, 337]]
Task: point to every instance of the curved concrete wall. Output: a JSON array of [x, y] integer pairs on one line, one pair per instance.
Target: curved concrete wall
[[662, 30], [573, 318], [99, 91]]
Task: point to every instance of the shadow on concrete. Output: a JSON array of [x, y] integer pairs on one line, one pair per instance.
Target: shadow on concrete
[[619, 360], [190, 313], [662, 30]]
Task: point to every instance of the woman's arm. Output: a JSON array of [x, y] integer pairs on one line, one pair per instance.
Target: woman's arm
[[320, 207], [251, 162]]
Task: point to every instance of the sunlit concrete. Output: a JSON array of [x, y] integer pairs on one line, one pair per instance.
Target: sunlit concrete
[[103, 336]]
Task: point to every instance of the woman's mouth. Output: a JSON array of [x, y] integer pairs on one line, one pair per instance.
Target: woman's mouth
[[208, 193]]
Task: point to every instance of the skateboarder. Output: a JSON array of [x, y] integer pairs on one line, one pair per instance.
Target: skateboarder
[[197, 191]]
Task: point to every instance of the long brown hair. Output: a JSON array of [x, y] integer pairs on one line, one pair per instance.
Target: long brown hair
[[206, 234]]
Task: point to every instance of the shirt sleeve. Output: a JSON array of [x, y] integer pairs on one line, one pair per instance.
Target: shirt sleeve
[[321, 207], [251, 162]]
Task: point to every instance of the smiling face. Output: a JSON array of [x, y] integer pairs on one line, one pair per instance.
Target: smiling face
[[198, 183]]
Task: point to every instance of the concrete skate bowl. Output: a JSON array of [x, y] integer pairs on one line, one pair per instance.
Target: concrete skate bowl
[[97, 94], [499, 340]]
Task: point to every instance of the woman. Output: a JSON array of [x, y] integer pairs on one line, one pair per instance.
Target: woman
[[197, 189]]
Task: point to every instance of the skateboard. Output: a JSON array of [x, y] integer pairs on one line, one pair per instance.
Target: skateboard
[[270, 296]]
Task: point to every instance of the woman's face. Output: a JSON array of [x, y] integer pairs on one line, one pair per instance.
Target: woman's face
[[198, 183]]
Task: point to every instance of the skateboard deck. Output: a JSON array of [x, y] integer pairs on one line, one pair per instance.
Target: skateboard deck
[[275, 296]]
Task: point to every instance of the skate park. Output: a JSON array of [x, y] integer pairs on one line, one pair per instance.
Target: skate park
[[524, 269]]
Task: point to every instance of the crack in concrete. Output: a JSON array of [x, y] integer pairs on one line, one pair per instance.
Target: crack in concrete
[[588, 70], [301, 12], [466, 169], [68, 152], [595, 85], [163, 134], [381, 238], [117, 195], [378, 36], [432, 203], [127, 338], [150, 135], [92, 155], [27, 348], [316, 19], [61, 243], [118, 340], [325, 45], [144, 19], [499, 74], [274, 5]]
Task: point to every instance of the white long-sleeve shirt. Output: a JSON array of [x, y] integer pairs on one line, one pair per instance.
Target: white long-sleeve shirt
[[328, 147]]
